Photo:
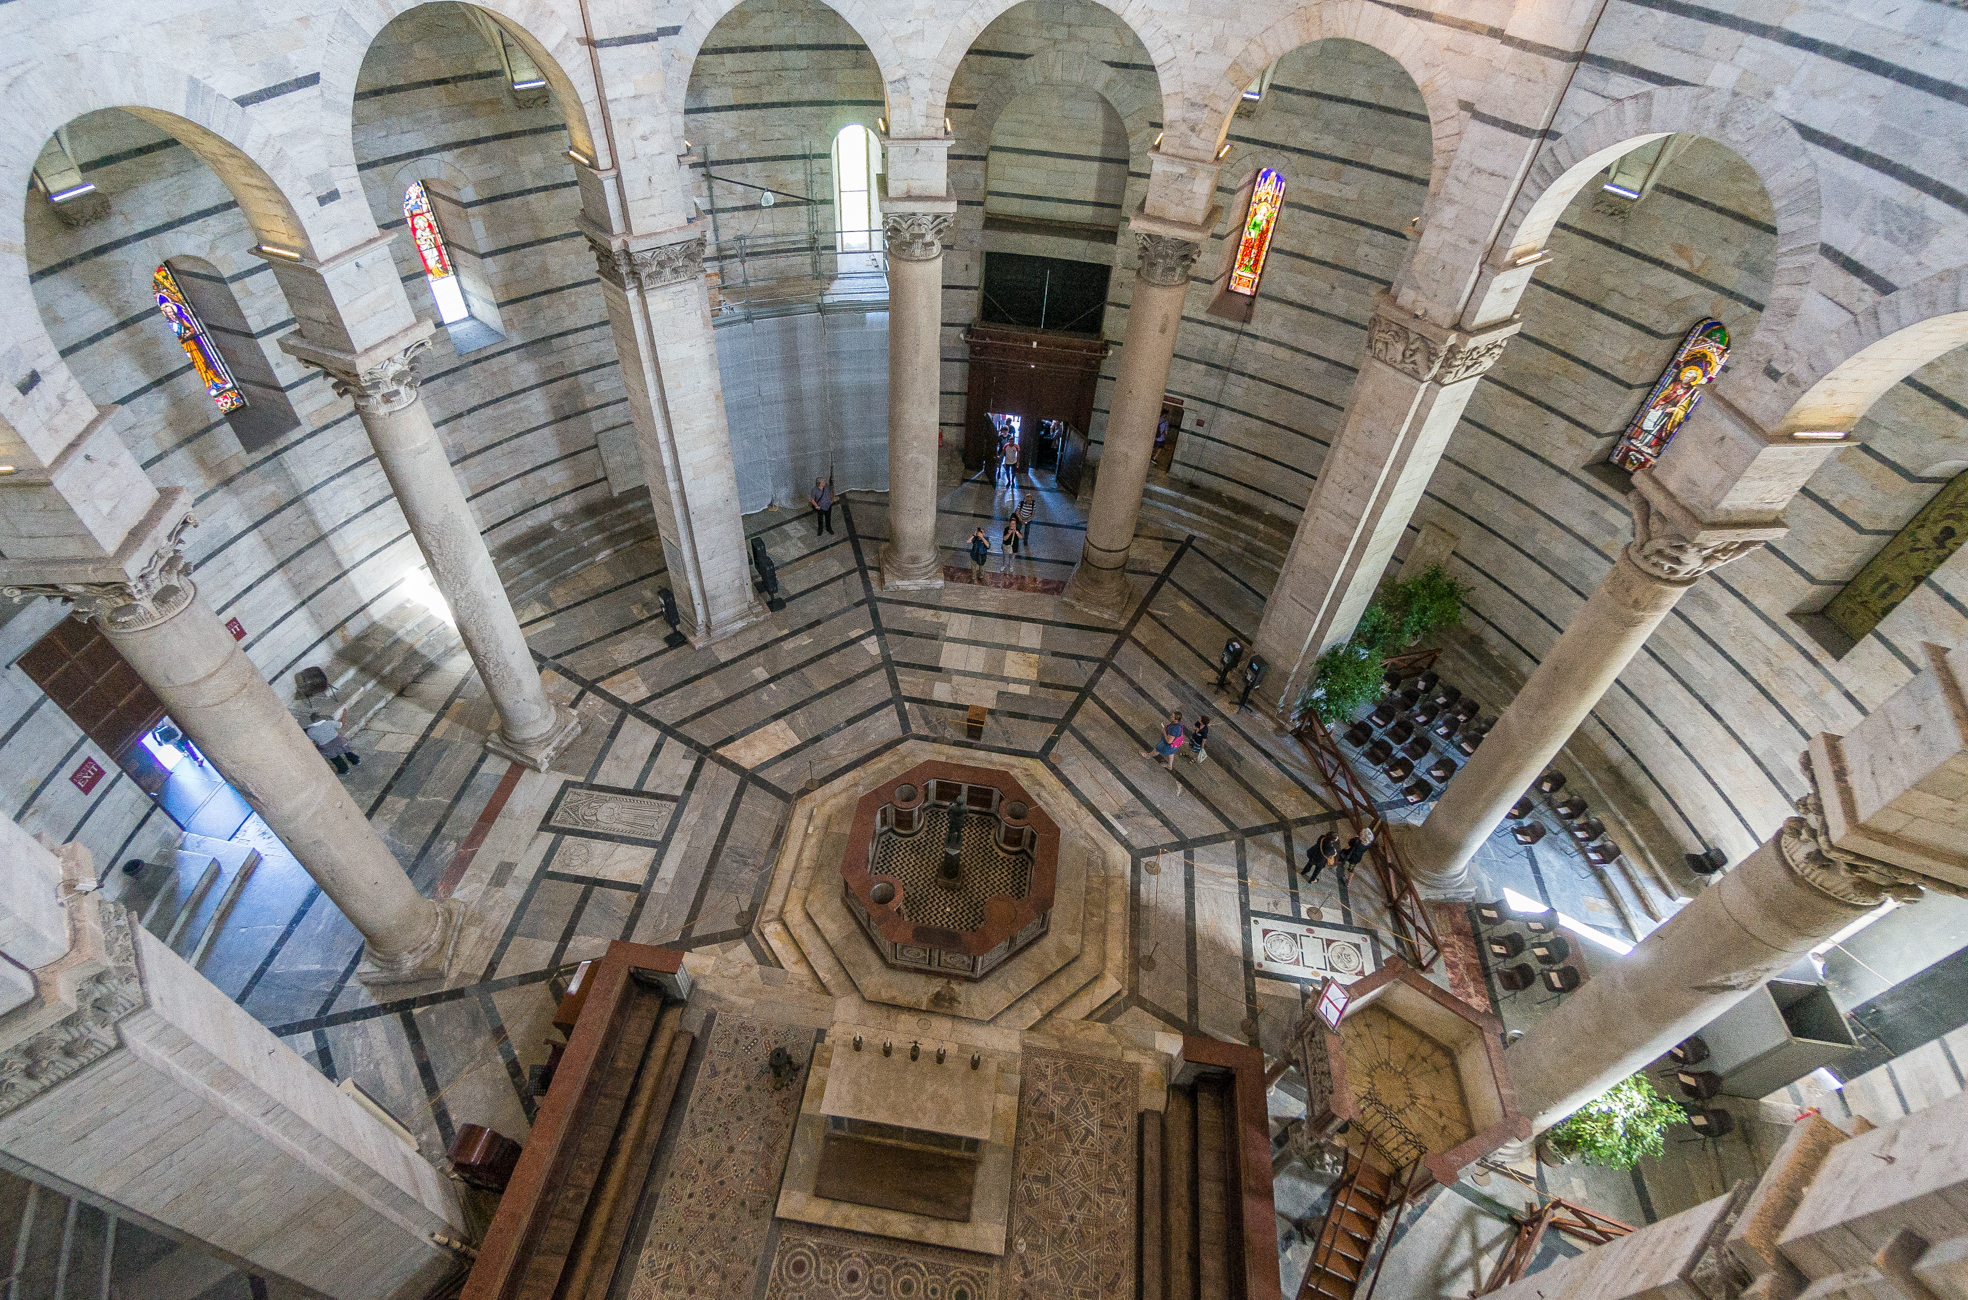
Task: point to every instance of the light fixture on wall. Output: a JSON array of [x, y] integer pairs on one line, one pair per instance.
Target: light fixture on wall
[[6, 470], [274, 250], [1827, 435], [530, 85], [1621, 190], [949, 127], [72, 192], [1224, 152], [1529, 257], [580, 157], [1158, 139], [881, 124]]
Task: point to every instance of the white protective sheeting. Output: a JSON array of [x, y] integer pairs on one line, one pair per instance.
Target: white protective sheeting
[[805, 394]]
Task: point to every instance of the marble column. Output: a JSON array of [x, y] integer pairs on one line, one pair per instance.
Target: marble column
[[911, 558], [1886, 818], [167, 633], [1099, 583], [660, 313], [133, 1082], [1669, 553], [1413, 384], [383, 383]]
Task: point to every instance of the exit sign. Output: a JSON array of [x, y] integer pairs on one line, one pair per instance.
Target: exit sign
[[86, 776], [237, 628]]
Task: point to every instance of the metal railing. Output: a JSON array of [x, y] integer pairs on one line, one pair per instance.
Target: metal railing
[[760, 277]]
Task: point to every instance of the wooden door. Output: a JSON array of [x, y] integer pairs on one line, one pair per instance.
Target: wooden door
[[94, 685], [1030, 374], [1072, 460]]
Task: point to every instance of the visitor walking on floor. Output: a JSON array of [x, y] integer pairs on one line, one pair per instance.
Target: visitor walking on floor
[[1012, 536], [980, 550], [1321, 856], [1026, 509], [1356, 849], [328, 742], [1171, 742], [823, 506], [1199, 736]]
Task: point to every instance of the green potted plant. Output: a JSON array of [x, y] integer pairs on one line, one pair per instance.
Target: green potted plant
[[1346, 678], [1629, 1121], [1428, 602]]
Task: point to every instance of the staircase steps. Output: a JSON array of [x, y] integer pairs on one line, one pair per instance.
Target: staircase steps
[[198, 887], [1345, 1239]]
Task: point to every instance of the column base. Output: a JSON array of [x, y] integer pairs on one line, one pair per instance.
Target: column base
[[430, 960], [538, 754], [756, 612], [1106, 593], [1458, 883], [910, 575]]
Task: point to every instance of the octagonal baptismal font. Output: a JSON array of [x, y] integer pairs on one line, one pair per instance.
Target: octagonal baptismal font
[[950, 869]]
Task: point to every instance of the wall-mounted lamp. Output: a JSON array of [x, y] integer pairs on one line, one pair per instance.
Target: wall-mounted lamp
[[6, 470], [274, 250], [1158, 139], [881, 123], [1620, 190], [580, 157], [949, 127], [535, 84], [72, 192], [1224, 152], [1827, 435]]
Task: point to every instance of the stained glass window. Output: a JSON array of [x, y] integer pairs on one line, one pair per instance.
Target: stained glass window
[[205, 358], [1260, 219], [1695, 365], [431, 252]]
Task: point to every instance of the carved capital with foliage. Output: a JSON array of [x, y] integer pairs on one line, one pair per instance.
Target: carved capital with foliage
[[1429, 353], [1663, 550], [157, 592], [1165, 260], [649, 268], [380, 387], [915, 236], [1805, 843]]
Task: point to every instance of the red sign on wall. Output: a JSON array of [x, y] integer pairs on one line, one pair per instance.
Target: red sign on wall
[[237, 628], [86, 776]]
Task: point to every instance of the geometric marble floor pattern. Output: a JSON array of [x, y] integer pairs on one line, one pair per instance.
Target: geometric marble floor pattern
[[659, 822]]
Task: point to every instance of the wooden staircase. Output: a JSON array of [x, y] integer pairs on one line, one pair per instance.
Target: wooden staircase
[[1363, 1196]]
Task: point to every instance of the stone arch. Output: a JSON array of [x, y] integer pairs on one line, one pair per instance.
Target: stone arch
[[1831, 383], [1753, 130], [921, 101], [279, 202], [538, 26], [863, 17], [1414, 45], [1072, 68]]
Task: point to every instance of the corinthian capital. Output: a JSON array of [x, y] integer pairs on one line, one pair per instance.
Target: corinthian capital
[[381, 386], [649, 268], [915, 236], [160, 589], [1664, 551], [1429, 353], [1165, 259], [1854, 878]]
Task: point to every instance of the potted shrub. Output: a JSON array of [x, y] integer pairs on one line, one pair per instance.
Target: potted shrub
[[1431, 601], [1629, 1121], [1346, 678]]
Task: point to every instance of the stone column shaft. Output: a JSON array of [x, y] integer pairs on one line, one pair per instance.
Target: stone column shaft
[[1099, 583], [1413, 384], [660, 313], [911, 558], [167, 633], [383, 384], [1668, 556]]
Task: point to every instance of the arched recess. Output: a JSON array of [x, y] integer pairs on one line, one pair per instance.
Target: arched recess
[[1205, 121], [451, 193], [919, 103], [1062, 67], [271, 189], [268, 415], [1835, 380], [864, 17], [1748, 127], [537, 26]]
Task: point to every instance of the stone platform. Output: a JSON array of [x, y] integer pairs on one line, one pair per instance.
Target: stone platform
[[1074, 969]]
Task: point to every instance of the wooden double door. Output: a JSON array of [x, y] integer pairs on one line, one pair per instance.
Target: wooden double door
[[1037, 376]]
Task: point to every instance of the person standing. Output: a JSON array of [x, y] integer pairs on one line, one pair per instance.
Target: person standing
[[1026, 509], [980, 551], [1199, 736], [1356, 849], [1321, 856], [1012, 536], [1171, 742], [823, 506], [328, 742]]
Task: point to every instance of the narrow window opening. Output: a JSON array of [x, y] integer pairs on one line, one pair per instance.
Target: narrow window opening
[[438, 271], [197, 344], [857, 198], [1262, 201]]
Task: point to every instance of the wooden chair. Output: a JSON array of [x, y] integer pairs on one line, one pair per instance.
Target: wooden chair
[[1710, 1125], [1698, 1085], [1468, 742], [1468, 710], [1545, 922], [1426, 714], [1383, 714], [1428, 681], [1378, 753], [1492, 913], [1407, 699], [1392, 677], [1506, 946], [1446, 726], [1551, 782], [1359, 734], [1528, 833], [1445, 695], [1514, 980], [1401, 732], [1418, 792], [1689, 1051], [1443, 769], [1602, 853], [1521, 809], [1399, 770], [1588, 830], [1571, 807], [1560, 980], [1553, 950]]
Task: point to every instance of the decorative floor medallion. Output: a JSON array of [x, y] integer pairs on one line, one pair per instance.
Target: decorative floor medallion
[[608, 813], [1297, 950], [819, 1264]]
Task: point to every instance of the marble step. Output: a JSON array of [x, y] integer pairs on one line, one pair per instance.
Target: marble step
[[217, 871], [1180, 507]]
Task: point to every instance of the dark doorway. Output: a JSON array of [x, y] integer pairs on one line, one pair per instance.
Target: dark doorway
[[1166, 433], [1037, 377]]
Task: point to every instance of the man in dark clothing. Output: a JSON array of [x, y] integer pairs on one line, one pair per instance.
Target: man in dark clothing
[[980, 550], [1356, 850], [823, 506], [1321, 856]]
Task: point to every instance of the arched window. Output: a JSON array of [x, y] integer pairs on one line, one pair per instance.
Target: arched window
[[438, 271], [1262, 201], [857, 212], [205, 358]]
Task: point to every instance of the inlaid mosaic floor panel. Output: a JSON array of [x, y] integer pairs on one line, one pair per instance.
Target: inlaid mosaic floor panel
[[1073, 1180], [708, 1230], [819, 1264], [1003, 581]]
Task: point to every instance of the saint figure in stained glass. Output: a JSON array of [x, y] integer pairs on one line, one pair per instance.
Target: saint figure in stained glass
[[1695, 365], [431, 252], [205, 358], [1260, 219]]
